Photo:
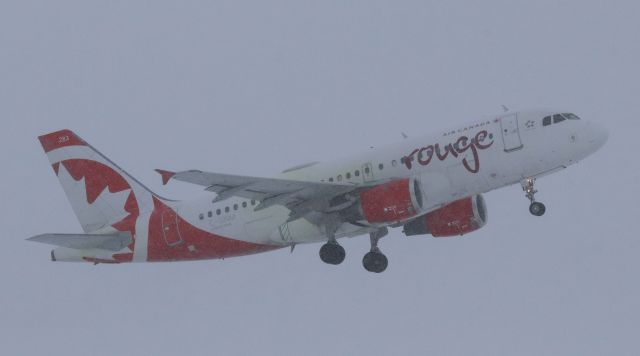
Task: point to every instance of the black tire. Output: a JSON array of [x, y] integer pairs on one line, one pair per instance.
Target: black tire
[[375, 262], [332, 253], [537, 209]]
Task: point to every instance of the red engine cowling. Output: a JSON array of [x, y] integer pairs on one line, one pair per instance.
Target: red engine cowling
[[391, 202], [454, 219]]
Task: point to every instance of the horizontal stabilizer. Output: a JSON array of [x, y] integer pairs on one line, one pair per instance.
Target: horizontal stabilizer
[[113, 242], [166, 175]]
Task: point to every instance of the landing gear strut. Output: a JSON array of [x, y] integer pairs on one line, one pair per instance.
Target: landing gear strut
[[331, 252], [536, 208], [375, 261]]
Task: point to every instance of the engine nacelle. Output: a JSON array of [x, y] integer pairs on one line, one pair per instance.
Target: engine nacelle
[[391, 202], [454, 219]]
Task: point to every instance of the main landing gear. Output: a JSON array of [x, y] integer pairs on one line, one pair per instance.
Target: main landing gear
[[536, 208], [331, 252], [375, 261]]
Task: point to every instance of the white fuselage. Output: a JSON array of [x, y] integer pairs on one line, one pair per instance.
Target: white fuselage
[[465, 161]]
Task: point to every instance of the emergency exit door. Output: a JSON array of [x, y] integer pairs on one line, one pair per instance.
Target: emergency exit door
[[367, 172]]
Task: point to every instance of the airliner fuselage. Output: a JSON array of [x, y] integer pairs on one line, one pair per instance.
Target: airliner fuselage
[[425, 184]]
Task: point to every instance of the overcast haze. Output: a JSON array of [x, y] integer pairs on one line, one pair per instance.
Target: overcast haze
[[256, 87]]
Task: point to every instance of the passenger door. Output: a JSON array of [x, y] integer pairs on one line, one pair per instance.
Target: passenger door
[[170, 229], [510, 133]]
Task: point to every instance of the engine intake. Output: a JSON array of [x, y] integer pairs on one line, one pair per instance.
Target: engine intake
[[454, 219]]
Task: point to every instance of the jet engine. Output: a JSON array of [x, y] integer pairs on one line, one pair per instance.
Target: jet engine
[[454, 219], [391, 202]]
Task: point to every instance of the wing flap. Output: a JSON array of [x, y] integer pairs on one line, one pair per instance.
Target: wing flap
[[112, 242]]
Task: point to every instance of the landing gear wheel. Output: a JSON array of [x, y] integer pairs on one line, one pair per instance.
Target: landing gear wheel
[[375, 262], [537, 208], [332, 253]]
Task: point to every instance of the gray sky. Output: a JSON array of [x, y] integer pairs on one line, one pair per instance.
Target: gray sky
[[256, 87]]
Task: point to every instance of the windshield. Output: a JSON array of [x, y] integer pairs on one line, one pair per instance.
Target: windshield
[[558, 118], [571, 116]]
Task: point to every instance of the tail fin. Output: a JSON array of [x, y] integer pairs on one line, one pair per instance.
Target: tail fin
[[101, 193]]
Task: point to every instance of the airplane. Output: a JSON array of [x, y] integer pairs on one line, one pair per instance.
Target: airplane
[[429, 185]]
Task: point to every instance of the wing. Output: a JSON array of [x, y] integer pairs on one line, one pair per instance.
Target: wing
[[114, 242], [298, 196]]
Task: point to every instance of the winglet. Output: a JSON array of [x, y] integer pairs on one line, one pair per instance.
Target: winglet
[[166, 175]]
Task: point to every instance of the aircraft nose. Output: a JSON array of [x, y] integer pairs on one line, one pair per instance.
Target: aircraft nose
[[598, 135]]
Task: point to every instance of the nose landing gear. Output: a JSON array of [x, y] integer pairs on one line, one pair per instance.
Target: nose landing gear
[[536, 208], [375, 261]]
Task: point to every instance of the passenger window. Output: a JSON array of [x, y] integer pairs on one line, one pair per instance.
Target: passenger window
[[394, 163], [357, 173], [558, 118], [348, 175], [244, 204], [367, 170], [226, 209], [218, 212], [339, 177], [201, 216], [381, 166], [210, 214], [331, 179], [253, 202], [235, 206], [546, 121]]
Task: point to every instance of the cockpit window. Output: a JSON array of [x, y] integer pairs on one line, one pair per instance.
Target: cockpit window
[[558, 118], [571, 116]]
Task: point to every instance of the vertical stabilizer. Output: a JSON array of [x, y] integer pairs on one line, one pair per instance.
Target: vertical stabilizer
[[101, 193]]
